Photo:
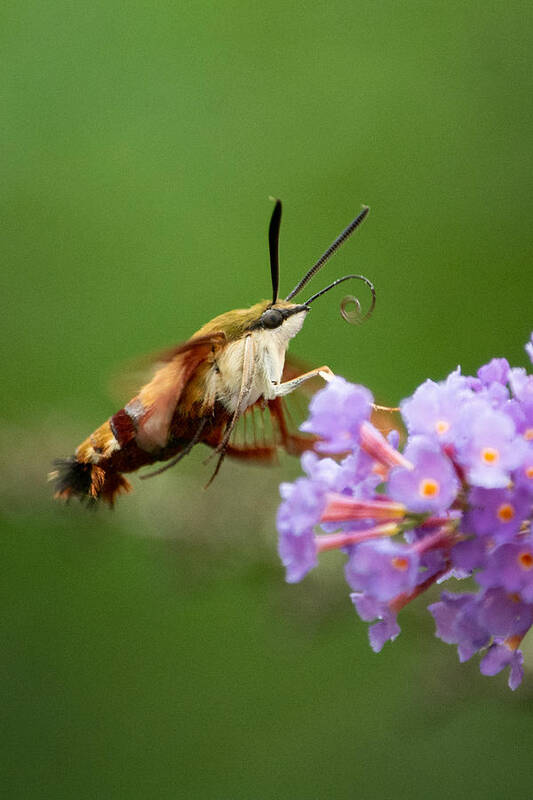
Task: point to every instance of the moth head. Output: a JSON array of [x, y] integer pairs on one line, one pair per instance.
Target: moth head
[[278, 311], [284, 318], [281, 315]]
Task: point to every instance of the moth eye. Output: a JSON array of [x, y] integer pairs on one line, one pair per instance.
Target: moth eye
[[272, 318]]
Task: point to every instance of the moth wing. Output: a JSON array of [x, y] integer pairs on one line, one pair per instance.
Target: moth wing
[[135, 373], [150, 412], [266, 426]]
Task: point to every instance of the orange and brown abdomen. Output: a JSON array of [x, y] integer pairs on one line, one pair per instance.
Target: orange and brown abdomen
[[95, 471]]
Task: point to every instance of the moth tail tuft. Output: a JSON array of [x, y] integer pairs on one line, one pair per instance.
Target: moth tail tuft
[[71, 478], [88, 482]]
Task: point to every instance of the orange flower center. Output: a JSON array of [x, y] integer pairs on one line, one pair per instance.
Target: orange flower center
[[400, 563], [428, 487], [525, 560], [505, 512], [490, 455], [529, 472], [528, 434], [442, 426]]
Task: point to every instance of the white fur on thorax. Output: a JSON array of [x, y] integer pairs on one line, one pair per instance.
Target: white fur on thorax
[[269, 347]]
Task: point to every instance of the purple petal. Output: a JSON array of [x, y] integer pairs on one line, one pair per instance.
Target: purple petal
[[432, 485], [498, 657], [381, 632], [496, 370], [529, 348], [336, 413]]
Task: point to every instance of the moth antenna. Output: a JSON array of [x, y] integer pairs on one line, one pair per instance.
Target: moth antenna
[[347, 232], [353, 317], [273, 247]]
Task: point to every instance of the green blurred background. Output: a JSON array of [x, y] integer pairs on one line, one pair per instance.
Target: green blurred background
[[156, 652]]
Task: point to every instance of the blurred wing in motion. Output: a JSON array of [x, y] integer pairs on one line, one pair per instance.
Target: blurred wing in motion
[[269, 425], [148, 415]]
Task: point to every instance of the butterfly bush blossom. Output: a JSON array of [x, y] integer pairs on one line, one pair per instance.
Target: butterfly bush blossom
[[456, 501]]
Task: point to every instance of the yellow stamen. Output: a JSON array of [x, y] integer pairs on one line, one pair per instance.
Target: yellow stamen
[[528, 434], [490, 455], [442, 426], [400, 563], [529, 472], [505, 513], [525, 560], [428, 487]]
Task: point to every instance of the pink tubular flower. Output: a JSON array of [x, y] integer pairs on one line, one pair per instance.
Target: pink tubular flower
[[455, 501], [373, 443], [341, 507]]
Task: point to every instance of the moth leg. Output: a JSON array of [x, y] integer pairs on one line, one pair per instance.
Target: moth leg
[[247, 381], [281, 389]]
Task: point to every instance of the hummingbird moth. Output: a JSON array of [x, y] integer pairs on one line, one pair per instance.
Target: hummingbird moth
[[233, 364]]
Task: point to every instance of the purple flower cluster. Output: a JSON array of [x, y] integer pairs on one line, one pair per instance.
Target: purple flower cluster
[[456, 501]]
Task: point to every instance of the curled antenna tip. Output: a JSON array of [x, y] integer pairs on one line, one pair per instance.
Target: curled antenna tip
[[352, 316], [356, 316]]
